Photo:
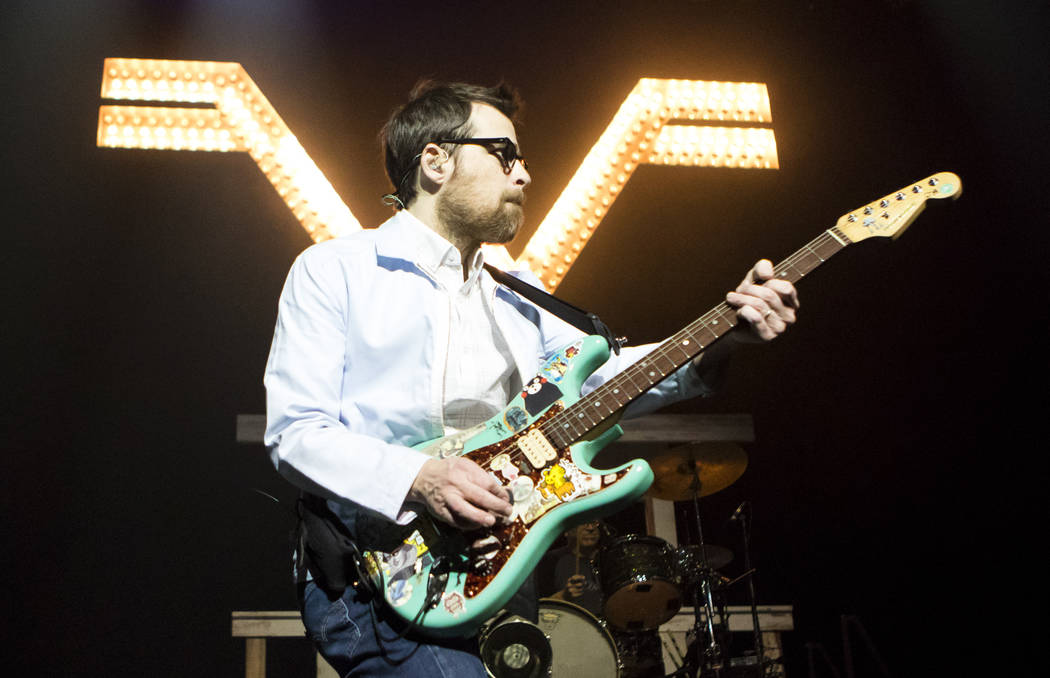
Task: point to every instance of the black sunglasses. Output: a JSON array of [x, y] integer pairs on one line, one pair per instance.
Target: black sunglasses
[[503, 148]]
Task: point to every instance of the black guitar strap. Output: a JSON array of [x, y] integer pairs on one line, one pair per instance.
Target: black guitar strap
[[578, 318]]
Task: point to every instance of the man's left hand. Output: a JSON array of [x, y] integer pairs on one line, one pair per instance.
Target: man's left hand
[[769, 305]]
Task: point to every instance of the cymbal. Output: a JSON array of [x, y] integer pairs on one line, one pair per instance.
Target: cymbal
[[716, 465], [691, 565]]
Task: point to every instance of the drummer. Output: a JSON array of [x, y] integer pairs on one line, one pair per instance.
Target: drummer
[[567, 573]]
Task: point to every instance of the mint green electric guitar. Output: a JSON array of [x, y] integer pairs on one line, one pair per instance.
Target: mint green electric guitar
[[541, 447]]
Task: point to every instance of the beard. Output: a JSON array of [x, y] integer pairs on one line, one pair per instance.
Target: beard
[[466, 217]]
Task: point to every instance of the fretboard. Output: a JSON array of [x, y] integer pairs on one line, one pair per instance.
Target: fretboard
[[589, 412]]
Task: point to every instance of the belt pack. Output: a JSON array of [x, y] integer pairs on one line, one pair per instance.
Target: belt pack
[[329, 552], [327, 548]]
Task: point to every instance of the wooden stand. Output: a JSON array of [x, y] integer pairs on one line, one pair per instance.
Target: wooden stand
[[256, 627]]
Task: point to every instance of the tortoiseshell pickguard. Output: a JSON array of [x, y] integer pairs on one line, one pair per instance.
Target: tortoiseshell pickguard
[[560, 481]]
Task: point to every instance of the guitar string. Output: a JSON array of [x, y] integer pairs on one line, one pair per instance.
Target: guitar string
[[564, 419], [674, 343], [833, 236], [515, 455]]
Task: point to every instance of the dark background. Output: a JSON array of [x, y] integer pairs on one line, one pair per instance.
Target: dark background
[[897, 459]]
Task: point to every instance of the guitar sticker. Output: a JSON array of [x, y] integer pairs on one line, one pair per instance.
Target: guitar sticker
[[516, 418], [539, 394], [560, 363], [555, 369], [556, 484], [404, 564], [506, 468], [454, 604]]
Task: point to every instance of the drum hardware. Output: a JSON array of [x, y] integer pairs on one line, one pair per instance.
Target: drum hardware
[[513, 647], [687, 473], [690, 561], [641, 653]]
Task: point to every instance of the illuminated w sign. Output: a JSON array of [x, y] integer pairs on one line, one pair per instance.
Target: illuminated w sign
[[239, 118]]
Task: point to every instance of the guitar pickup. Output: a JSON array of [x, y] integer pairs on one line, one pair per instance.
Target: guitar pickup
[[537, 448]]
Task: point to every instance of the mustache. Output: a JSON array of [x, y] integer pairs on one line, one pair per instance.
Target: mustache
[[516, 197]]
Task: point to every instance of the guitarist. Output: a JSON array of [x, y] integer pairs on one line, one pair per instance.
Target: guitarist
[[393, 336]]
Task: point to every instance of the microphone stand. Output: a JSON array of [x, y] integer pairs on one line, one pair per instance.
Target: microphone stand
[[713, 652], [745, 528]]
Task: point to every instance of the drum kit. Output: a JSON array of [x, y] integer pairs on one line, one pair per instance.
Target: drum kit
[[644, 581]]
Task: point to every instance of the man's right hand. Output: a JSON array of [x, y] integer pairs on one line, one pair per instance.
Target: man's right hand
[[459, 492], [574, 585]]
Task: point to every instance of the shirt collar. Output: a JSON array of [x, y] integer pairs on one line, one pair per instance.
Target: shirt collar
[[406, 237]]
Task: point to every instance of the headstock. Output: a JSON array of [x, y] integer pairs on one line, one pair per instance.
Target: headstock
[[890, 215]]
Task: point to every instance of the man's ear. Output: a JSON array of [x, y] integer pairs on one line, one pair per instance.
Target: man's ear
[[435, 164]]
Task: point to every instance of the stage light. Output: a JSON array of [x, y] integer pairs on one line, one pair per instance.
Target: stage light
[[198, 129], [640, 134], [238, 118]]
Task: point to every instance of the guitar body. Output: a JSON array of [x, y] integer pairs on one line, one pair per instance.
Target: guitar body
[[553, 489]]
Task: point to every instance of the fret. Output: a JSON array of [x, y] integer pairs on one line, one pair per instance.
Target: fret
[[828, 247], [559, 437], [807, 260], [801, 262], [662, 360], [724, 319], [627, 374], [651, 371], [704, 334], [616, 391], [554, 435], [563, 431], [598, 404], [569, 423], [687, 347], [582, 416], [787, 271]]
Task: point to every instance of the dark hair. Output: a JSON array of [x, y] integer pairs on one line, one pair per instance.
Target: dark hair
[[435, 110]]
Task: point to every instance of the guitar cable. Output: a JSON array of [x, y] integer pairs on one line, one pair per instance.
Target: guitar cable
[[435, 587]]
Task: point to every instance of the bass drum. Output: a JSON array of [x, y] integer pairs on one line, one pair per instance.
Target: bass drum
[[581, 645]]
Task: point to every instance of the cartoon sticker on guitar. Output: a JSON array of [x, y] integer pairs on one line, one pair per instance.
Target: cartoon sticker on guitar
[[539, 394]]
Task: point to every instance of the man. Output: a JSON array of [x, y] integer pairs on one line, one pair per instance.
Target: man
[[394, 336], [572, 576]]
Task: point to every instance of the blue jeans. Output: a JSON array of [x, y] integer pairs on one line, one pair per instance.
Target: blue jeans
[[359, 641]]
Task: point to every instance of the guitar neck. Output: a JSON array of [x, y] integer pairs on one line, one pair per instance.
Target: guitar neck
[[590, 412]]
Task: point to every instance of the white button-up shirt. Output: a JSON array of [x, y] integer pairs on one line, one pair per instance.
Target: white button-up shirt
[[361, 364], [480, 376]]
